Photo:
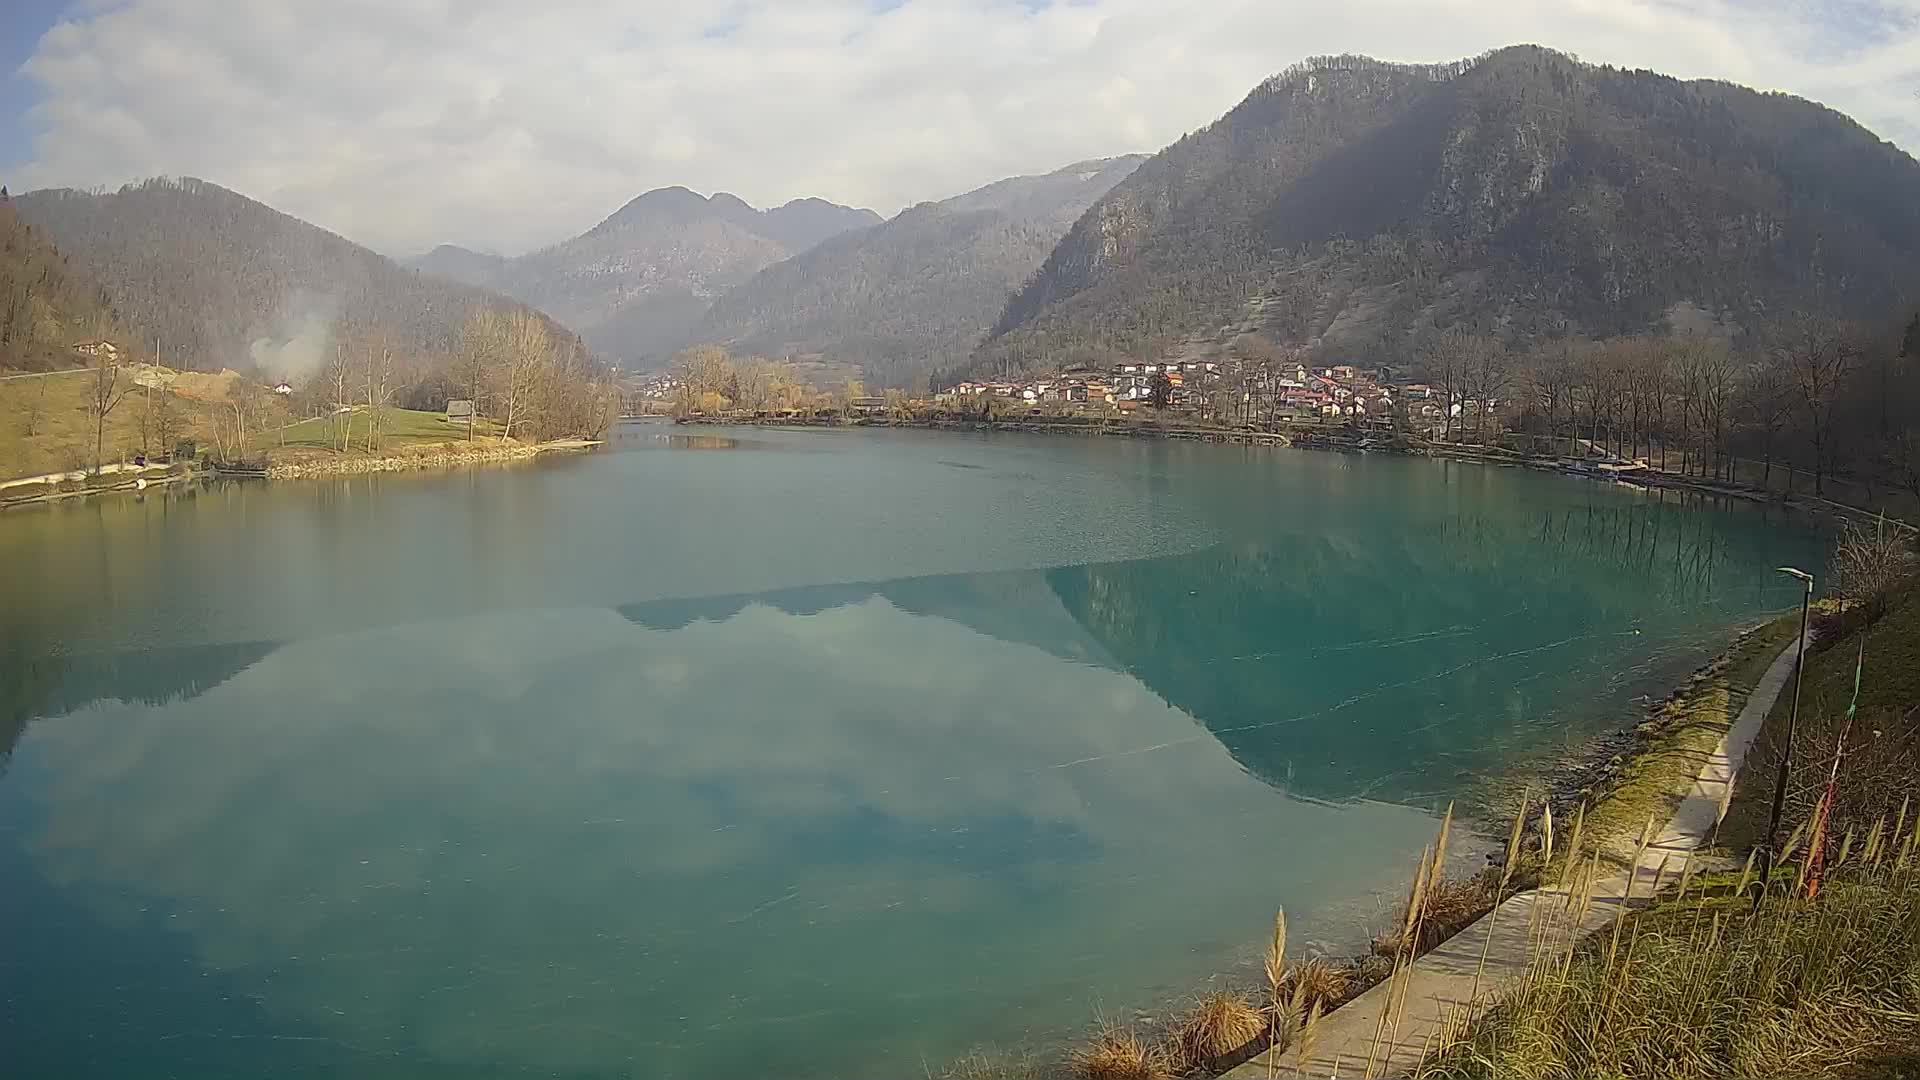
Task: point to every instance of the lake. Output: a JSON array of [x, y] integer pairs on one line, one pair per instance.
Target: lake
[[811, 754]]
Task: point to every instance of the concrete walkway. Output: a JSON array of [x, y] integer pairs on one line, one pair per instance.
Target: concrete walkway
[[1385, 1031], [81, 474]]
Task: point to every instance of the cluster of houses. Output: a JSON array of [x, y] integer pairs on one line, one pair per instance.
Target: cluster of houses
[[1288, 389]]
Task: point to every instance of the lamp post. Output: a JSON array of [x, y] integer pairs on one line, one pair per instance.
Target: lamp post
[[1793, 719]]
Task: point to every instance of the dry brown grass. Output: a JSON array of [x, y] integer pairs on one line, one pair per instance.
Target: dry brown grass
[[1119, 1053], [1321, 982], [1705, 985], [1218, 1024], [985, 1064], [1449, 906]]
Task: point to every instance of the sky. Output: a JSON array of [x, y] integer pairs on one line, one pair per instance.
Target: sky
[[505, 126]]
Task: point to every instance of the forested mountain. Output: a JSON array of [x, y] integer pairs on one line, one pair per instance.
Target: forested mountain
[[918, 292], [45, 304], [637, 283], [1362, 207], [219, 280]]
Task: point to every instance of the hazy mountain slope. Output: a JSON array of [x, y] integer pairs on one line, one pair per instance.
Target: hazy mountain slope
[[471, 267], [803, 223], [221, 280], [45, 303], [636, 284], [918, 292], [1361, 205]]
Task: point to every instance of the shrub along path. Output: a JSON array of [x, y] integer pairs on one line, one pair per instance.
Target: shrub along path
[[1386, 1031]]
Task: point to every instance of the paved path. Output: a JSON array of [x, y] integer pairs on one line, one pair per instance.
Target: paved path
[[1363, 1039], [45, 374], [109, 468]]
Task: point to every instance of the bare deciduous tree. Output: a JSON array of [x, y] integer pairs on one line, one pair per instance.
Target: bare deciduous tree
[[104, 394], [377, 381], [527, 358], [336, 377], [33, 408], [1871, 561], [1764, 402], [705, 371], [1819, 360]]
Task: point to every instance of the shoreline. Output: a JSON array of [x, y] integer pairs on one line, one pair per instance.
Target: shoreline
[[1304, 438], [55, 491], [1085, 427], [64, 487], [1602, 773], [426, 457]]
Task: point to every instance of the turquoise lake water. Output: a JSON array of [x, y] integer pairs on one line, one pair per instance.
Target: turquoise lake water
[[800, 754]]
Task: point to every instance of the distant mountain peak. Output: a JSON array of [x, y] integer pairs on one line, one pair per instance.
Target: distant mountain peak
[[635, 282], [917, 292]]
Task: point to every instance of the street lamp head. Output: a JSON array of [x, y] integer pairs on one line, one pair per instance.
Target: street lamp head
[[1801, 574]]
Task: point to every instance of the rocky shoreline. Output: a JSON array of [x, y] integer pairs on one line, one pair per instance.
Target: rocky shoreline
[[436, 458]]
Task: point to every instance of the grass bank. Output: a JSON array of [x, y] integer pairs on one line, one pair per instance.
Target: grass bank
[[1667, 749], [1815, 972], [433, 455], [1882, 752], [47, 422], [1707, 983], [1646, 781], [400, 429]]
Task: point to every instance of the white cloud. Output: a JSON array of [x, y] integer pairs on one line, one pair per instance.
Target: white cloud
[[405, 123]]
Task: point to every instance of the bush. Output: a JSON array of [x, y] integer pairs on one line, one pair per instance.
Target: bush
[[1219, 1024], [1870, 562]]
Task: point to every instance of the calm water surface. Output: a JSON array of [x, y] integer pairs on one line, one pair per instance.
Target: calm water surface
[[809, 754]]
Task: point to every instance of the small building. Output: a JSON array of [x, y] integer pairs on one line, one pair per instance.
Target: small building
[[867, 406], [96, 348], [283, 389], [460, 411]]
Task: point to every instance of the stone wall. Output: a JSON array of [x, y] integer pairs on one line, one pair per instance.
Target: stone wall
[[436, 458]]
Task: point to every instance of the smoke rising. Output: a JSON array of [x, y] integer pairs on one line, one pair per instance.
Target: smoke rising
[[301, 338]]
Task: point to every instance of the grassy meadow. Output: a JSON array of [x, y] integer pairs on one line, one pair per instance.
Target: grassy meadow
[[398, 429], [47, 424]]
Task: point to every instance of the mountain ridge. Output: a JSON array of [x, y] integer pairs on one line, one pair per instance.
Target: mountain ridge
[[219, 279], [635, 282], [917, 292], [1359, 207]]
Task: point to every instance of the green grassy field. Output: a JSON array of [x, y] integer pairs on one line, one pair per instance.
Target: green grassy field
[[46, 425], [399, 429]]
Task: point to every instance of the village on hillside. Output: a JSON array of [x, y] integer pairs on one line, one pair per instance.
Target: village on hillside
[[1231, 390], [1228, 390]]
